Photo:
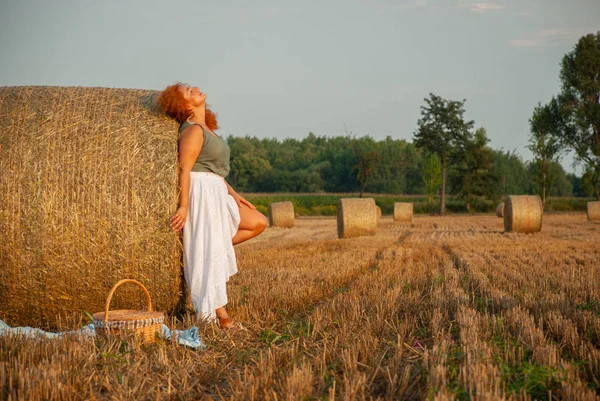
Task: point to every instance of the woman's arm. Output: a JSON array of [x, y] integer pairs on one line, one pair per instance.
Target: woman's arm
[[238, 198], [190, 145]]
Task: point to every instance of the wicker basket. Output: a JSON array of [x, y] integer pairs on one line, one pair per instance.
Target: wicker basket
[[124, 323]]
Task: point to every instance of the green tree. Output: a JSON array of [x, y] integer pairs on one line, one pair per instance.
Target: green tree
[[512, 173], [246, 169], [366, 165], [589, 182], [545, 144], [561, 186], [390, 175], [432, 175], [341, 159], [248, 162], [578, 105], [414, 170], [576, 185], [442, 130], [473, 175], [558, 183]]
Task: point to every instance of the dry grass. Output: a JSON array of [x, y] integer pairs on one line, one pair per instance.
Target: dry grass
[[88, 177], [443, 308]]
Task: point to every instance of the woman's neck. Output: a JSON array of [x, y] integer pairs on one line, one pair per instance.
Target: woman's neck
[[198, 116]]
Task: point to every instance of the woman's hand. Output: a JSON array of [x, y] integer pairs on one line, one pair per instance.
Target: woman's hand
[[179, 218], [241, 201]]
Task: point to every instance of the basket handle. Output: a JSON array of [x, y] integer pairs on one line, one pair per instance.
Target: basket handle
[[112, 291]]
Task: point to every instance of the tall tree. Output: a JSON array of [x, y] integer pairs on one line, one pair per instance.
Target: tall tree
[[545, 144], [579, 105], [474, 175], [442, 130]]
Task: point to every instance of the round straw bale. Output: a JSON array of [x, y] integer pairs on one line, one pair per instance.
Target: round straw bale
[[500, 210], [523, 213], [378, 209], [356, 217], [281, 214], [593, 211], [403, 211], [88, 180]]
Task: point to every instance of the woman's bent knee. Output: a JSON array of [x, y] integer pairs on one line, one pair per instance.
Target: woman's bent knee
[[260, 223]]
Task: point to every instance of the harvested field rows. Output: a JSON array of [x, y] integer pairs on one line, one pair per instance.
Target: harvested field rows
[[443, 308]]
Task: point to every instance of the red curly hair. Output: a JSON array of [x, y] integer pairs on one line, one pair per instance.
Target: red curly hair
[[172, 102]]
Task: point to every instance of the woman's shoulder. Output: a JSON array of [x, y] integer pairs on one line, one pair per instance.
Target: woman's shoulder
[[191, 130]]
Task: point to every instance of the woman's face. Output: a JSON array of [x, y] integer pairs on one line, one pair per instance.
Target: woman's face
[[193, 95]]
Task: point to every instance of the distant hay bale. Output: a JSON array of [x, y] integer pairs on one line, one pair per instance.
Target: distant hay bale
[[500, 210], [403, 211], [523, 213], [378, 209], [593, 211], [88, 180], [281, 214], [356, 217]]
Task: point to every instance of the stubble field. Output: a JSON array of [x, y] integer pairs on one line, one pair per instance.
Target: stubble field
[[443, 308]]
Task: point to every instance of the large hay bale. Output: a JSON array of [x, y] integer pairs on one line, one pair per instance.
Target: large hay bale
[[356, 217], [88, 180], [593, 211], [281, 214], [403, 211], [378, 210], [523, 213], [500, 210]]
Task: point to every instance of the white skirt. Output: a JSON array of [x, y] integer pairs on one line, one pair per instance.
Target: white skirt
[[208, 255]]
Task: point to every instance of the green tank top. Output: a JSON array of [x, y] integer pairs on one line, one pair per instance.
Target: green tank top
[[214, 155]]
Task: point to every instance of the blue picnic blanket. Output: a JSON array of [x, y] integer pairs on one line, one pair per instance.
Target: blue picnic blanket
[[189, 337]]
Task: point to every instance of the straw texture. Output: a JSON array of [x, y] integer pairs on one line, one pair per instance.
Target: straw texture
[[523, 213], [281, 214], [500, 210], [88, 179], [593, 211], [403, 211], [356, 217]]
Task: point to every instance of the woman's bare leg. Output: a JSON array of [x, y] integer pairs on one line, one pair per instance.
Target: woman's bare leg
[[252, 223], [223, 318]]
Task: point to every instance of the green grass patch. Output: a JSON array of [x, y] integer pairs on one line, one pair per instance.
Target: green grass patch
[[456, 357], [527, 377], [535, 380]]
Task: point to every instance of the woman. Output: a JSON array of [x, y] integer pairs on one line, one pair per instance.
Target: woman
[[213, 216]]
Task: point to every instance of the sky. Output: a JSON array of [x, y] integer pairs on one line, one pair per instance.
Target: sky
[[282, 69]]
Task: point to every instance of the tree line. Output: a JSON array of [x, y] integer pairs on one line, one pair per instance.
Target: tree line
[[447, 153], [332, 164]]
